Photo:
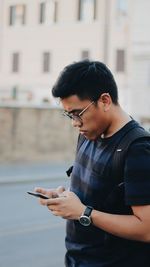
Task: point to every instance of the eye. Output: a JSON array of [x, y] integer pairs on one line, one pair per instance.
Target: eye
[[75, 114]]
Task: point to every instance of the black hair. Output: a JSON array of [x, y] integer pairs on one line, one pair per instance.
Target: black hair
[[86, 79]]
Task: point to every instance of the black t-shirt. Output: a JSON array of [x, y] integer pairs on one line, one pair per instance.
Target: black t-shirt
[[93, 181]]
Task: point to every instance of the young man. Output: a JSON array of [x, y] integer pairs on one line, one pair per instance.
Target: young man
[[108, 217]]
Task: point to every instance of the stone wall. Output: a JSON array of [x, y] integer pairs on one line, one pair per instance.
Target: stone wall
[[35, 134]]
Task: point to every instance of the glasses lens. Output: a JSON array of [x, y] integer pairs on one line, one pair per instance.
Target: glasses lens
[[66, 114], [72, 116]]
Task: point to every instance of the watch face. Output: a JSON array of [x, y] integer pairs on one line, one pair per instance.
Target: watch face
[[85, 220]]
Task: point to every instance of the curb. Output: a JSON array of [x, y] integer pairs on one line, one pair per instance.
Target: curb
[[18, 174], [28, 179]]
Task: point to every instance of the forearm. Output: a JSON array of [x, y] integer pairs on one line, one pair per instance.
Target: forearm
[[125, 226], [135, 227]]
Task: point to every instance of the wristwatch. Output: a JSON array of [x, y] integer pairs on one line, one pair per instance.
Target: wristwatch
[[85, 218]]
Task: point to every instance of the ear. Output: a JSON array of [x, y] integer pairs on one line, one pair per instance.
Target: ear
[[106, 101]]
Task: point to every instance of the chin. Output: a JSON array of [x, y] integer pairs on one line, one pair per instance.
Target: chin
[[90, 137]]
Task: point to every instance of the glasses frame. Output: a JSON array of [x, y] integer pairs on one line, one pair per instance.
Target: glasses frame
[[78, 117]]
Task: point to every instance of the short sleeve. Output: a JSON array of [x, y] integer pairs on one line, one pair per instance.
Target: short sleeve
[[137, 173]]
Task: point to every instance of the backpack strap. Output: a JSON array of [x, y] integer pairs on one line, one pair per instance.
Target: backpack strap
[[121, 150], [81, 139]]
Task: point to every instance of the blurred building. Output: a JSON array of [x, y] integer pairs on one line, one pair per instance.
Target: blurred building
[[39, 37], [139, 70]]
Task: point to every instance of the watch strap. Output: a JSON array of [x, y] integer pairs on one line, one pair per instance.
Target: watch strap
[[88, 211]]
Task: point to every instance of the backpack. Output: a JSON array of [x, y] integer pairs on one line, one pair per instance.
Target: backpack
[[133, 134], [114, 202]]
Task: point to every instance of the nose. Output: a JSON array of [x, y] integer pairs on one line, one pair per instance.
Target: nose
[[76, 123]]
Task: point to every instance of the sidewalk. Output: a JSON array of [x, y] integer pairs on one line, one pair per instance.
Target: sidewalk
[[32, 172]]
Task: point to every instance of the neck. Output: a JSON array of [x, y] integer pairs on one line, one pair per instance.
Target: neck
[[119, 119]]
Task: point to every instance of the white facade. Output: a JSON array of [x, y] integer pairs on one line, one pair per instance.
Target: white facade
[[140, 63], [100, 29]]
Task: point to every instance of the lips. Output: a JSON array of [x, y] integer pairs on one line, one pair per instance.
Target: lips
[[82, 132]]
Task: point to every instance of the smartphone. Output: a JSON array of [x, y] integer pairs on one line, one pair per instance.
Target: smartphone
[[37, 195]]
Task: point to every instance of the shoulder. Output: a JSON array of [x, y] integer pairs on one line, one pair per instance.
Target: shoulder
[[140, 146], [137, 162], [137, 170]]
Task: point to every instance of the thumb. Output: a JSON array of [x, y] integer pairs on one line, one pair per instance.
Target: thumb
[[40, 190], [48, 192]]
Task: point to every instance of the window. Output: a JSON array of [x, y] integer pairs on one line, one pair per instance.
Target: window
[[48, 12], [15, 62], [11, 15], [122, 6], [17, 15], [120, 60], [46, 62], [85, 54], [87, 10], [42, 13]]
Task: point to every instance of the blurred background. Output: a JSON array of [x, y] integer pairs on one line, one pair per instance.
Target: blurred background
[[38, 38]]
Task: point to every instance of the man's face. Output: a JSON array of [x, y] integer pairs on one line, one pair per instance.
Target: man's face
[[92, 122]]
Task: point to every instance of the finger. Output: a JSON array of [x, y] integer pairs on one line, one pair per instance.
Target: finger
[[41, 190], [54, 194], [53, 201], [60, 189], [65, 217], [48, 192], [51, 207], [64, 194], [56, 213], [43, 202]]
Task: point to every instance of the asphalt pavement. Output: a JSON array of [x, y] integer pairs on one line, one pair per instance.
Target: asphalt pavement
[[32, 172], [29, 234]]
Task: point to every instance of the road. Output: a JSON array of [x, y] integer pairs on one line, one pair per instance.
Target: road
[[29, 235]]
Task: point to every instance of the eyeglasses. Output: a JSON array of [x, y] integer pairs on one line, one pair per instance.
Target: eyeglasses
[[77, 117]]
